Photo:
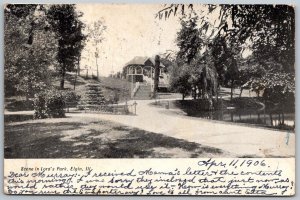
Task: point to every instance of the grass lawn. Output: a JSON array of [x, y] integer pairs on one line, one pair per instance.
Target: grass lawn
[[83, 137]]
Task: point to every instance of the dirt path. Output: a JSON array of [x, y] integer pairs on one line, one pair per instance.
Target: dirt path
[[236, 139]]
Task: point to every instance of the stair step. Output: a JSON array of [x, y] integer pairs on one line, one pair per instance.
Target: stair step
[[143, 93]]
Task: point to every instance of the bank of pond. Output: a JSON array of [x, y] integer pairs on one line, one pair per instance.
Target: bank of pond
[[252, 111]]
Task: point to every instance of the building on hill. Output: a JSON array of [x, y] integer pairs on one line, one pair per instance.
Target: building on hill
[[141, 69]]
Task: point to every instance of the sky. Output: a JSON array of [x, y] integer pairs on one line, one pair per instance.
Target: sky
[[132, 30]]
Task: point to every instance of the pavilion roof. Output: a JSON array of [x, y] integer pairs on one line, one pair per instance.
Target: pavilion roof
[[141, 60]]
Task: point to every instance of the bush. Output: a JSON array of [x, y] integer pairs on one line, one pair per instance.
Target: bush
[[39, 105], [94, 77], [71, 97], [50, 104], [19, 105], [114, 98], [55, 104]]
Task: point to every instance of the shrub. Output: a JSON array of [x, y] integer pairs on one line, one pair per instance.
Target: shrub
[[55, 104], [71, 97], [50, 104], [114, 98], [39, 105], [94, 77], [19, 105]]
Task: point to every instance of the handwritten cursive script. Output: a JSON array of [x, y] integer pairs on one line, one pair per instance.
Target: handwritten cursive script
[[197, 177]]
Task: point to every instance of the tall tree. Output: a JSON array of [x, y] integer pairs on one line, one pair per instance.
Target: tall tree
[[156, 75], [195, 54], [188, 39], [64, 21], [95, 36], [29, 49], [268, 31], [180, 79]]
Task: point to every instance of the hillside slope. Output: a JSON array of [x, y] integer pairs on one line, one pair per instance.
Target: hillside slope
[[110, 86]]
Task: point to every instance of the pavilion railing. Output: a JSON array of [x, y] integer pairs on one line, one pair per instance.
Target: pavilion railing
[[135, 89]]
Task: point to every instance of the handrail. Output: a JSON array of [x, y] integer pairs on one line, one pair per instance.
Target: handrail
[[135, 89]]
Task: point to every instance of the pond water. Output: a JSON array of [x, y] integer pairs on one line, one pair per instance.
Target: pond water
[[260, 118]]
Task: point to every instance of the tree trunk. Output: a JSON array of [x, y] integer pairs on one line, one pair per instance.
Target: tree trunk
[[75, 81], [231, 92], [30, 38], [200, 92], [27, 97], [282, 113], [217, 97], [29, 42], [271, 119], [241, 91], [156, 75], [183, 96], [204, 83], [76, 73], [62, 81], [97, 69]]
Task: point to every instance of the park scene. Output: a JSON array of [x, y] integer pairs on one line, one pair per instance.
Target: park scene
[[149, 81]]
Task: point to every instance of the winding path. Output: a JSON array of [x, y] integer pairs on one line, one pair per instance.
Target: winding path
[[238, 140]]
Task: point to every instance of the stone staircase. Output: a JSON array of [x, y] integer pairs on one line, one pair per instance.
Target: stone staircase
[[143, 93]]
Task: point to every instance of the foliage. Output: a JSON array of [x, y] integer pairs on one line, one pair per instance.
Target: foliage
[[95, 33], [188, 40], [173, 9], [55, 104], [196, 70], [262, 35], [95, 37], [29, 49], [179, 81], [50, 104], [65, 23], [279, 87], [40, 106], [114, 98], [71, 96]]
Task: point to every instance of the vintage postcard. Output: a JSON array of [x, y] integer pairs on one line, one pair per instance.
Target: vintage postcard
[[149, 99]]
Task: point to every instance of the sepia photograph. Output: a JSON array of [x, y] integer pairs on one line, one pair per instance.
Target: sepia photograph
[[148, 81]]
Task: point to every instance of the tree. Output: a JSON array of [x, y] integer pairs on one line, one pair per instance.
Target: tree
[[195, 57], [64, 21], [255, 22], [30, 48], [268, 31], [180, 80], [204, 74], [231, 74], [188, 40], [156, 74], [95, 36]]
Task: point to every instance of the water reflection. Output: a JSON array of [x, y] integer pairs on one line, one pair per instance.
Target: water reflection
[[262, 118]]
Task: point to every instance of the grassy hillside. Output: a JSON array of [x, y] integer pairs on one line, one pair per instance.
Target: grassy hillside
[[110, 87]]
